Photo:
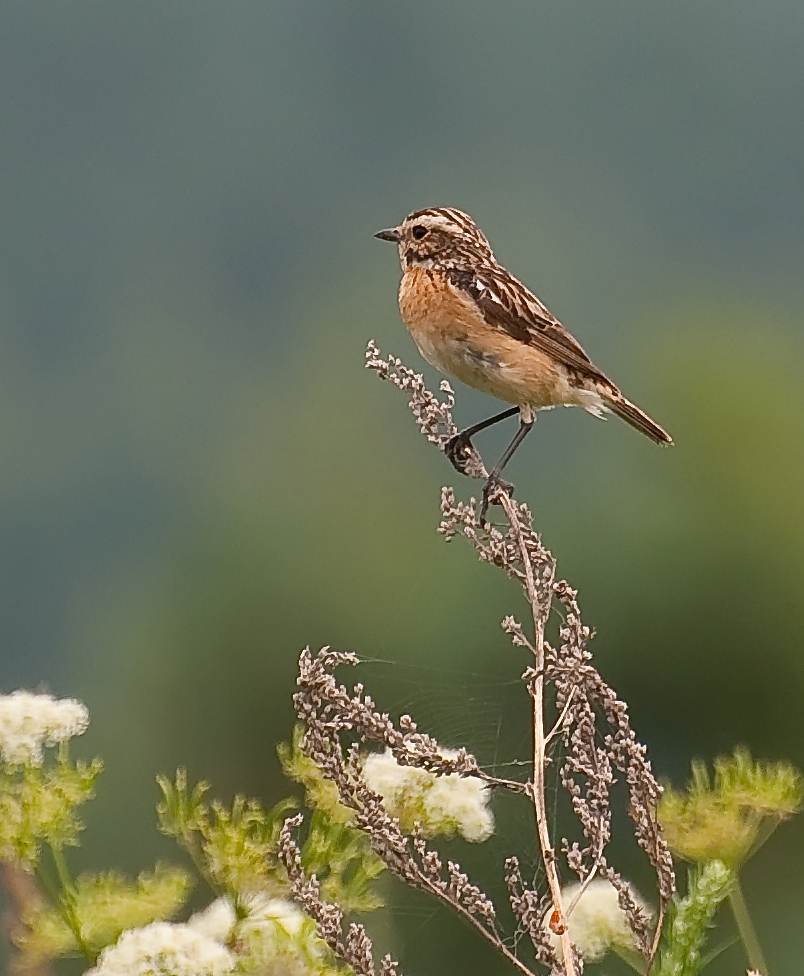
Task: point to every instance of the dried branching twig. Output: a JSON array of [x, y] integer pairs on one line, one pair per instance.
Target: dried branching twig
[[589, 720], [328, 710], [352, 947]]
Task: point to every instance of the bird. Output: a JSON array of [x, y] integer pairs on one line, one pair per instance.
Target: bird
[[473, 320]]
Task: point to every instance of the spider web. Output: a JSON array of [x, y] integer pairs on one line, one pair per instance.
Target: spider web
[[459, 708], [490, 715]]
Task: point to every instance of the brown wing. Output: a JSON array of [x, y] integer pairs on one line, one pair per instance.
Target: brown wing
[[507, 305]]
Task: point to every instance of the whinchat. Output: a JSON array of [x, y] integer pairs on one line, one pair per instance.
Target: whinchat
[[474, 320]]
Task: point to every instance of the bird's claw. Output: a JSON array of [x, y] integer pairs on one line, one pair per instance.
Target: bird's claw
[[459, 451], [495, 486]]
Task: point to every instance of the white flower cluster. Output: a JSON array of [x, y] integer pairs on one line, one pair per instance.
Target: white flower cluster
[[440, 804], [274, 937], [29, 722], [164, 949], [217, 921], [597, 922], [275, 913]]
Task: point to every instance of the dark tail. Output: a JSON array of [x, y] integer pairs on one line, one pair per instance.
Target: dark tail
[[633, 415]]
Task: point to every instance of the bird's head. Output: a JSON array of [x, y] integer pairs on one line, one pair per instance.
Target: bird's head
[[441, 237]]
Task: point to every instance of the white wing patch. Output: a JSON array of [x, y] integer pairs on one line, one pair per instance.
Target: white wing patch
[[592, 403]]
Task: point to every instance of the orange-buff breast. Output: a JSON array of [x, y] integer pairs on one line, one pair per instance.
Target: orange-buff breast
[[453, 336]]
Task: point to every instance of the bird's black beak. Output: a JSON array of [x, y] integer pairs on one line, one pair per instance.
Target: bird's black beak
[[392, 234]]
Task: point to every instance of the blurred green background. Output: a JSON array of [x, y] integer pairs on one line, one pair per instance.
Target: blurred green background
[[199, 477]]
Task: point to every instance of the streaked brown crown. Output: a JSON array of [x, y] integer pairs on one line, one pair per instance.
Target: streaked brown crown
[[443, 238]]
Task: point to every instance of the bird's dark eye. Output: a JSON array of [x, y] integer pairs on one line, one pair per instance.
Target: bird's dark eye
[[419, 232]]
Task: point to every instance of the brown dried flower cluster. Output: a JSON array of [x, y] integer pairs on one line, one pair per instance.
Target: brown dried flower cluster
[[571, 705], [329, 710], [354, 946]]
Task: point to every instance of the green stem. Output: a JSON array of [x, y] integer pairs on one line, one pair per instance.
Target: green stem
[[764, 829], [66, 903], [49, 886], [746, 929]]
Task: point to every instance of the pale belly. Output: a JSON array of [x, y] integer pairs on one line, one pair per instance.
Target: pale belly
[[454, 338]]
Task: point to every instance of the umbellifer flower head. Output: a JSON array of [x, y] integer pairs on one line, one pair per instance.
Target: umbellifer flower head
[[597, 922], [271, 912], [274, 936], [720, 816], [219, 919], [30, 722], [446, 804], [164, 949], [216, 921]]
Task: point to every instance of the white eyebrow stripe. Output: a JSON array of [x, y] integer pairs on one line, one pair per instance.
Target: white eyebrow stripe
[[435, 220]]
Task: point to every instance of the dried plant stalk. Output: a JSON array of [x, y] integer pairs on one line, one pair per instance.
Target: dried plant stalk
[[590, 721], [540, 610], [328, 710]]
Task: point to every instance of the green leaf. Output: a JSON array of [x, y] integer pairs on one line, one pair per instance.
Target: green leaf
[[38, 805], [182, 811], [104, 905], [320, 793], [728, 815]]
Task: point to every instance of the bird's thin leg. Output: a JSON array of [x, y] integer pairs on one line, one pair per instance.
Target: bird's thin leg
[[457, 447], [495, 479]]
